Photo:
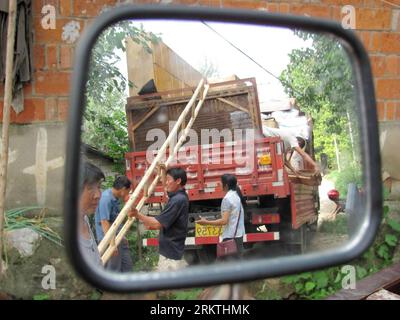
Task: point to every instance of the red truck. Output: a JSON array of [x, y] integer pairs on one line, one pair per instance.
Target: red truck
[[279, 207]]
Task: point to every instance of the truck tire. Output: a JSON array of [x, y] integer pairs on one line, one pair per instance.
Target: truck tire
[[191, 257], [207, 254]]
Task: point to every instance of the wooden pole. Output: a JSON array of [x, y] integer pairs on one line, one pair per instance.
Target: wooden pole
[[12, 13], [108, 253], [337, 153], [122, 215]]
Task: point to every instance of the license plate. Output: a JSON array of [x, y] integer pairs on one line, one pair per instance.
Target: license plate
[[208, 231]]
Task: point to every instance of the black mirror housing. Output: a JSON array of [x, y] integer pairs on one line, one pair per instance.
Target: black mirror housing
[[250, 270]]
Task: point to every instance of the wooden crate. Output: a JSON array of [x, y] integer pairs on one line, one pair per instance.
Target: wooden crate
[[229, 105]]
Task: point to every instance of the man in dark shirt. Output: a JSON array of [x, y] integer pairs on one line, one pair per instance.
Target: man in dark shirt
[[172, 222]]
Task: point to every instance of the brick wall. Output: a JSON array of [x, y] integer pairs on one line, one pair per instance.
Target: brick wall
[[46, 98]]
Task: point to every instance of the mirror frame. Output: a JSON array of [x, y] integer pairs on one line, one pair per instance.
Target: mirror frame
[[198, 276]]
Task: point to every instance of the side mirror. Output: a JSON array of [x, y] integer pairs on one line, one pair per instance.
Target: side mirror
[[283, 199]]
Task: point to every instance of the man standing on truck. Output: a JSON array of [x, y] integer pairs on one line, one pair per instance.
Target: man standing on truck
[[291, 142], [172, 222], [106, 213]]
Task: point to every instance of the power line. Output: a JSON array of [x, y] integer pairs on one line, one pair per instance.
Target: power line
[[249, 57]]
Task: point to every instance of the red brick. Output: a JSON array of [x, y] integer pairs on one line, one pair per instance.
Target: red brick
[[355, 3], [52, 57], [66, 57], [388, 88], [284, 8], [336, 13], [33, 111], [365, 37], [376, 42], [39, 62], [91, 8], [392, 65], [398, 111], [390, 110], [52, 83], [210, 3], [381, 110], [65, 7], [244, 4], [272, 7], [390, 42], [51, 109], [378, 65], [49, 36], [373, 19], [63, 106], [310, 10], [379, 3], [28, 90]]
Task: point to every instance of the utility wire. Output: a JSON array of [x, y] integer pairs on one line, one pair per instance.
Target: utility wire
[[250, 58]]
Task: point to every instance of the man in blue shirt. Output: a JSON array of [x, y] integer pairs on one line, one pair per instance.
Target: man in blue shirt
[[106, 213], [172, 221]]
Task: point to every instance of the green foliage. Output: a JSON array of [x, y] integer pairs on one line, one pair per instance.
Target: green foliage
[[322, 283], [337, 226], [17, 219], [104, 75], [96, 295], [320, 78], [105, 126], [350, 174], [41, 296], [150, 255], [191, 294]]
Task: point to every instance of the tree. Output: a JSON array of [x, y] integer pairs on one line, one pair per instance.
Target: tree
[[105, 124], [104, 75], [320, 78]]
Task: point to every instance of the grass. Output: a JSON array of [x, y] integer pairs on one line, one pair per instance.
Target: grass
[[337, 226], [16, 219]]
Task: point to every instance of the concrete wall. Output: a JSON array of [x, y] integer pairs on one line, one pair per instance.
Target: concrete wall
[[36, 166]]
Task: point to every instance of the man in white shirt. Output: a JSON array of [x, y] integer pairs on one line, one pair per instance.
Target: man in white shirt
[[291, 141]]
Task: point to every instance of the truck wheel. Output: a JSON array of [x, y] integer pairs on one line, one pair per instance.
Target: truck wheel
[[207, 254], [191, 257]]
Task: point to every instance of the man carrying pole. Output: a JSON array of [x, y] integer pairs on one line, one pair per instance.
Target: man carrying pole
[[172, 222]]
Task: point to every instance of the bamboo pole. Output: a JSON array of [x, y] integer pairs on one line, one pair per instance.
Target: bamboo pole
[[113, 229], [108, 253], [12, 14]]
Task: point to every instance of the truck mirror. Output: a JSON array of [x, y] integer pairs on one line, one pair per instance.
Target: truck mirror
[[193, 90]]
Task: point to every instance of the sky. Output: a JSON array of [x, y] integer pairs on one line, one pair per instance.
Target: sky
[[195, 42]]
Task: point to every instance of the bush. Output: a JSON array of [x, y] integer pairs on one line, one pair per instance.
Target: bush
[[150, 255], [342, 179], [322, 283], [337, 226]]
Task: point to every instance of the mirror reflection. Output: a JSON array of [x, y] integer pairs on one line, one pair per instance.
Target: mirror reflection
[[217, 142]]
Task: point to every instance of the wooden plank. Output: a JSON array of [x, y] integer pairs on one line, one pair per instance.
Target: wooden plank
[[232, 104], [385, 279], [147, 115]]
